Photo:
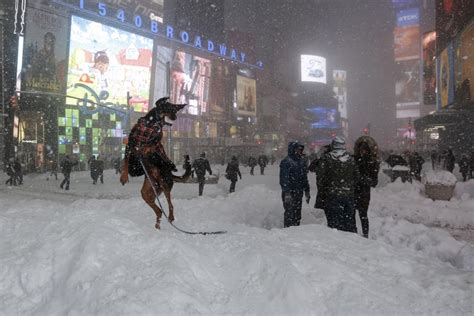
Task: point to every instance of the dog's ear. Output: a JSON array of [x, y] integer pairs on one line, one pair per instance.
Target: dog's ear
[[162, 102]]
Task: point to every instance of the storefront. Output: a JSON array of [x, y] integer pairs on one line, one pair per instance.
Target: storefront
[[89, 71], [451, 126]]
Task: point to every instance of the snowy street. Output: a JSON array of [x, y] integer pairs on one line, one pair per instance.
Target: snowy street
[[94, 251]]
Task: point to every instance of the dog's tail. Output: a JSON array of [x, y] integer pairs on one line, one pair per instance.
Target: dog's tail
[[184, 178]]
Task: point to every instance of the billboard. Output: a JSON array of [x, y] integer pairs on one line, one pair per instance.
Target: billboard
[[313, 68], [466, 62], [163, 58], [429, 68], [407, 43], [221, 90], [106, 63], [340, 90], [408, 17], [45, 52], [403, 3], [446, 76], [246, 96], [407, 85], [324, 118], [190, 81]]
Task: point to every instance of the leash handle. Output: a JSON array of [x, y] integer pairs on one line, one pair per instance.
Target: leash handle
[[163, 210]]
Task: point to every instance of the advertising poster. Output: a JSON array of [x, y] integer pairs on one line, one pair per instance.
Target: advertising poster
[[246, 96], [106, 63], [403, 3], [340, 90], [163, 58], [408, 17], [407, 43], [446, 76], [324, 117], [429, 68], [45, 52], [190, 81], [407, 85], [313, 68], [466, 61], [221, 89]]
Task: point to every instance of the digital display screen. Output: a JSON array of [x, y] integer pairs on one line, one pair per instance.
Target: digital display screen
[[324, 117], [106, 63]]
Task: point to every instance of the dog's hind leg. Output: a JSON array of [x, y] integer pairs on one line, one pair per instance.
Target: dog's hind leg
[[148, 195], [167, 193]]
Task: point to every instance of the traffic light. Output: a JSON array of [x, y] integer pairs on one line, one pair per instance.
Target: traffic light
[[13, 101]]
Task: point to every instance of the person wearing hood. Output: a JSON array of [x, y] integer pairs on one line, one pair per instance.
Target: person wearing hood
[[294, 183], [337, 177], [232, 171], [200, 166]]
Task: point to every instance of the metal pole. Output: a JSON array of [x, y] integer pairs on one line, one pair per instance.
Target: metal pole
[[168, 89]]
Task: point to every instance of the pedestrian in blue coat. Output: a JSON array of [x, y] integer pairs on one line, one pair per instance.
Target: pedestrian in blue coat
[[294, 182]]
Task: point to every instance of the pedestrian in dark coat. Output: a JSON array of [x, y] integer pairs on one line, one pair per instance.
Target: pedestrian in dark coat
[[337, 176], [10, 171], [434, 159], [187, 164], [416, 165], [18, 171], [294, 183], [66, 169], [117, 165], [94, 168], [232, 171], [464, 167], [200, 166], [449, 161], [471, 165], [366, 158], [100, 169], [262, 162], [314, 167], [252, 163]]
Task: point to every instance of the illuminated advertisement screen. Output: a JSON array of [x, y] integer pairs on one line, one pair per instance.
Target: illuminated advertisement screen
[[466, 61], [313, 68], [190, 82], [106, 63], [45, 52], [446, 76], [340, 90], [246, 96], [324, 117], [403, 3], [429, 68], [407, 43], [407, 85], [409, 17]]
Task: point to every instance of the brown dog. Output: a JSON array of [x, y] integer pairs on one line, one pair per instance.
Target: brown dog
[[144, 146]]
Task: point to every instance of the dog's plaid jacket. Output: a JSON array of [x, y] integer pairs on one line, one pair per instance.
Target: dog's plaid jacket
[[145, 137]]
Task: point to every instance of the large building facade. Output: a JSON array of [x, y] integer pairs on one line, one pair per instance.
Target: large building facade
[[85, 71], [451, 126]]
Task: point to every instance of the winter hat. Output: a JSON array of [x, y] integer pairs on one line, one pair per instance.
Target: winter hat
[[338, 143]]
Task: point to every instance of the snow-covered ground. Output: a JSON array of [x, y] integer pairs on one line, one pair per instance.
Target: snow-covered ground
[[94, 251]]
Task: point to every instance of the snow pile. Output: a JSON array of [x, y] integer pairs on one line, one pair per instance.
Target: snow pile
[[440, 177], [96, 252]]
